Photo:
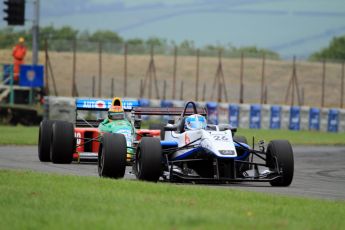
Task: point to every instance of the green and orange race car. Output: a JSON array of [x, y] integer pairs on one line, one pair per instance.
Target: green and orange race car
[[98, 122]]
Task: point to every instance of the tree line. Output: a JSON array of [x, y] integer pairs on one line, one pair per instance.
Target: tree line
[[60, 39], [334, 51]]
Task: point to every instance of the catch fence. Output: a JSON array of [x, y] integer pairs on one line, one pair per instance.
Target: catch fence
[[92, 69]]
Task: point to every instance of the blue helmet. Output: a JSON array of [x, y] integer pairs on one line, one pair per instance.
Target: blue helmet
[[195, 122]]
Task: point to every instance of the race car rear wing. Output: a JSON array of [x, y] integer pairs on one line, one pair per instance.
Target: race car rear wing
[[87, 104], [133, 106], [177, 111], [103, 104], [128, 106]]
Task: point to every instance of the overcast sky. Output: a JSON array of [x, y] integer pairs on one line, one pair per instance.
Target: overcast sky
[[288, 27]]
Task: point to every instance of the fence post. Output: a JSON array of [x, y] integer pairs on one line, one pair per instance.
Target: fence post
[[204, 92], [302, 97], [46, 72], [125, 70], [218, 75], [150, 73], [293, 85], [50, 70], [174, 74], [141, 89], [342, 86], [164, 89], [241, 80], [112, 88], [323, 83], [293, 82], [181, 92], [263, 78], [93, 86], [197, 75], [100, 71], [265, 95], [74, 67]]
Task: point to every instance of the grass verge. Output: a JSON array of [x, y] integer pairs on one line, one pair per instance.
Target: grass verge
[[21, 135], [18, 135], [46, 201], [295, 137]]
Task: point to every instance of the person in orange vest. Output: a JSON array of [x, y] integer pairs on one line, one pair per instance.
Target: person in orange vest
[[18, 54]]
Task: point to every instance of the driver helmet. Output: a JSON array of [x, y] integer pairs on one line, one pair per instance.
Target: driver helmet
[[116, 113], [195, 122]]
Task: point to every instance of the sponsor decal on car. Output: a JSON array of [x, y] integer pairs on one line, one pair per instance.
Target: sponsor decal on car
[[100, 104], [220, 137], [77, 135], [91, 104], [104, 104], [186, 139]]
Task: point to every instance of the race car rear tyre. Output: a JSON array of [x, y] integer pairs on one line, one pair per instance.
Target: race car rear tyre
[[162, 132], [282, 151], [156, 126], [44, 140], [160, 127], [62, 142], [112, 157], [148, 162], [240, 166]]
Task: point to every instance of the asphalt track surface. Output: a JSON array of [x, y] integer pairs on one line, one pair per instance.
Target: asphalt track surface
[[319, 171]]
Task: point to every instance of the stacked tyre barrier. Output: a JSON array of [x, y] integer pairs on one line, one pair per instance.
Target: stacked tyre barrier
[[254, 116], [59, 108]]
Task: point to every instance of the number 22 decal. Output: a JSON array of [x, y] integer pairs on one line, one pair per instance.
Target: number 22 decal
[[220, 138]]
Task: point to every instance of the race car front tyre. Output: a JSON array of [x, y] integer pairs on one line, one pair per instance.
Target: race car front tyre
[[148, 162], [112, 156], [280, 150], [44, 140], [62, 142]]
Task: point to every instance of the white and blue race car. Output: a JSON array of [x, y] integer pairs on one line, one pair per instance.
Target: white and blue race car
[[192, 151]]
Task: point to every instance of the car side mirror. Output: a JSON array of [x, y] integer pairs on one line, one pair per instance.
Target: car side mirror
[[171, 121], [137, 123]]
